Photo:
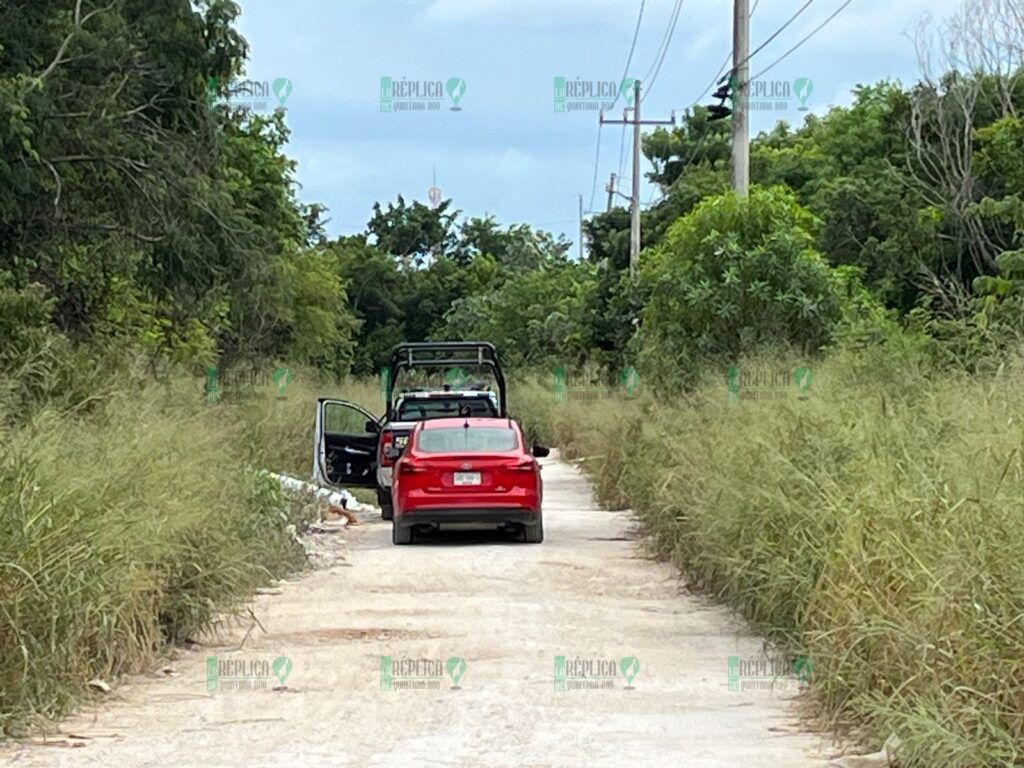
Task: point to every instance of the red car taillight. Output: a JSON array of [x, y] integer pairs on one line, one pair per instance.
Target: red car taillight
[[518, 474], [387, 437], [408, 468]]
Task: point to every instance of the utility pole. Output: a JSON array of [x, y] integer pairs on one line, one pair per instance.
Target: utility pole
[[636, 122], [741, 89], [581, 228], [610, 189], [634, 218]]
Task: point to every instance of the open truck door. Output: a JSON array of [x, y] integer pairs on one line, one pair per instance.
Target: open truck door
[[446, 354], [345, 445]]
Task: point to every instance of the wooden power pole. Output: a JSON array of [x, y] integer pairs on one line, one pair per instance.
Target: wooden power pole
[[636, 122]]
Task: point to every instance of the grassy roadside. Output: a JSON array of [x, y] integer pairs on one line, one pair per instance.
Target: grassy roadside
[[877, 527], [131, 519]]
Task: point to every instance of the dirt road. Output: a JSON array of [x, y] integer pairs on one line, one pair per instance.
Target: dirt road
[[500, 612]]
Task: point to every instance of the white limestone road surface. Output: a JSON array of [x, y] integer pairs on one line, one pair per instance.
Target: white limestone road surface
[[506, 610]]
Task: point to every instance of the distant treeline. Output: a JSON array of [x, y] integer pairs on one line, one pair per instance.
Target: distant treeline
[[140, 211]]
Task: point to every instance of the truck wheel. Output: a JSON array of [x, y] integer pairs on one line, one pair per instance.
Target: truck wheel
[[535, 531], [387, 509], [400, 534]]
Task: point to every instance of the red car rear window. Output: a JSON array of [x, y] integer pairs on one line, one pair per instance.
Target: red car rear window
[[473, 439]]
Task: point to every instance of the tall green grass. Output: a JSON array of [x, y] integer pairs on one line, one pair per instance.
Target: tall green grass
[[129, 518], [877, 527]]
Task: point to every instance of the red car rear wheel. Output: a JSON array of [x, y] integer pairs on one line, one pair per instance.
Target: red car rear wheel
[[535, 531], [400, 534]]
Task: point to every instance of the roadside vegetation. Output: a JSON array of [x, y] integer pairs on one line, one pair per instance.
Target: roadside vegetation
[[137, 518], [150, 231], [876, 528], [128, 523]]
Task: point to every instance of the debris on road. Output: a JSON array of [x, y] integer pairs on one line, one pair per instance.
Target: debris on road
[[295, 488], [881, 759], [99, 685], [330, 526]]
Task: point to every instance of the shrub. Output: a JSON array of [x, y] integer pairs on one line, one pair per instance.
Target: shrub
[[733, 275]]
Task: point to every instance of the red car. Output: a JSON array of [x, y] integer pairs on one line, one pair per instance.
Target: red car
[[467, 470]]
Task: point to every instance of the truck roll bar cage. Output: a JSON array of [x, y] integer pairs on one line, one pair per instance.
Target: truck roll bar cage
[[446, 354]]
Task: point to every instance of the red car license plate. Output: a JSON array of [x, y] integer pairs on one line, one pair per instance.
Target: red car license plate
[[467, 478]]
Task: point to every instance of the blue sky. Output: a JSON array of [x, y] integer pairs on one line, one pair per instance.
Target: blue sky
[[507, 152]]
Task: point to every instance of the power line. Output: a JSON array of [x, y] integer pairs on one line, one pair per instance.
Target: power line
[[597, 162], [809, 36], [696, 147], [716, 78], [618, 92], [666, 38], [775, 34], [632, 50], [699, 145], [634, 214], [666, 41], [725, 64]]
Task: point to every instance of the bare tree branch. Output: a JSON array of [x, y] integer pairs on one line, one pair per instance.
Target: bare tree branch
[[78, 23], [60, 186], [982, 43]]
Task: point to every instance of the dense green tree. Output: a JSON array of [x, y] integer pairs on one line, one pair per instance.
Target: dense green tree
[[376, 291], [515, 248], [536, 317], [138, 212], [414, 234], [697, 142], [400, 294], [144, 213], [733, 275]]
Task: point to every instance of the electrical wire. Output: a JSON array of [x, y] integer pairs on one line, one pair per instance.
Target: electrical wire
[[597, 162], [666, 42], [775, 34], [618, 93], [725, 64], [804, 40], [629, 61], [714, 79], [700, 142], [661, 45], [812, 33], [632, 50]]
